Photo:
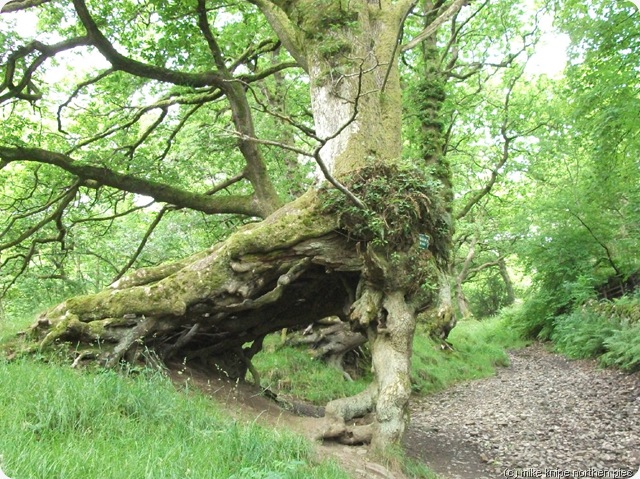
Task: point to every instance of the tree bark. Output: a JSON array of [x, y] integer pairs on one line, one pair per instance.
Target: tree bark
[[508, 284], [306, 261]]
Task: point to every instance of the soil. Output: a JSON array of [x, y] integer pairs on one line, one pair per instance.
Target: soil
[[543, 413], [245, 402]]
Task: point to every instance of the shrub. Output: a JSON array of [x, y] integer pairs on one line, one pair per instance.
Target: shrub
[[582, 334], [609, 331], [623, 349], [534, 318]]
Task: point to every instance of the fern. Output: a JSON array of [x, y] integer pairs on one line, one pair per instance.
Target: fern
[[582, 334], [623, 349]]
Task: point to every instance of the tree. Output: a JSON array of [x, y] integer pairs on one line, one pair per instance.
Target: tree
[[352, 250], [478, 115], [577, 174]]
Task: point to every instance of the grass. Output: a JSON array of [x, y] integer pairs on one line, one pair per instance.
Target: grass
[[59, 423], [11, 324], [396, 459], [478, 348], [305, 377]]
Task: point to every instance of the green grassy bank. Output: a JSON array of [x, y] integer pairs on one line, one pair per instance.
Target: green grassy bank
[[56, 422]]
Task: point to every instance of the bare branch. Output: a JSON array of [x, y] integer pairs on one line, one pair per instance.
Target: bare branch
[[455, 32], [197, 99], [278, 67], [20, 216], [54, 216], [17, 5], [599, 241], [132, 148], [244, 205], [142, 244], [278, 144], [506, 145], [483, 266], [77, 90], [113, 216], [316, 153], [406, 11], [433, 26], [283, 118], [46, 51], [177, 130], [225, 184]]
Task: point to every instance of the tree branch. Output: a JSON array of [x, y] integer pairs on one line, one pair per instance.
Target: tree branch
[[113, 216], [75, 92], [17, 5], [285, 30], [66, 199], [604, 246], [143, 243], [433, 26], [225, 184], [503, 159], [20, 216], [137, 68], [455, 32], [46, 51], [203, 24], [244, 205]]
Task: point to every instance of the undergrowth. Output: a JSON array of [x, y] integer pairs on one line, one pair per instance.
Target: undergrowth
[[606, 330], [478, 348], [58, 423], [11, 324], [293, 371]]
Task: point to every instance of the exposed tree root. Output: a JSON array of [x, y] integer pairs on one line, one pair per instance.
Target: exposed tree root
[[339, 414], [330, 340], [288, 271]]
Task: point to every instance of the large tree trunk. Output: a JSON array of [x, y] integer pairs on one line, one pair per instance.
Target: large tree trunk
[[318, 256], [288, 270]]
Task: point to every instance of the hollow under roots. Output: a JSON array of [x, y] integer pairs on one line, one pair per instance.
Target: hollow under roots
[[214, 310]]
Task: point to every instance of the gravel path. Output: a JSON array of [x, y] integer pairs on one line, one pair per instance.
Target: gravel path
[[539, 417]]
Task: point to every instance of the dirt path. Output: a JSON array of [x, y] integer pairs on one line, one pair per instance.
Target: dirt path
[[245, 402], [542, 413]]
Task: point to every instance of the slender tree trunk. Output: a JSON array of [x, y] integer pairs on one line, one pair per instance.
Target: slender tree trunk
[[461, 299], [508, 284]]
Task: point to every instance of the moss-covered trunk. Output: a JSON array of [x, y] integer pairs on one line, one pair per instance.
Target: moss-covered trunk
[[288, 270], [376, 267]]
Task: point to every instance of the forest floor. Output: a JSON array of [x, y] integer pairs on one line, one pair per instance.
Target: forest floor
[[542, 413]]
